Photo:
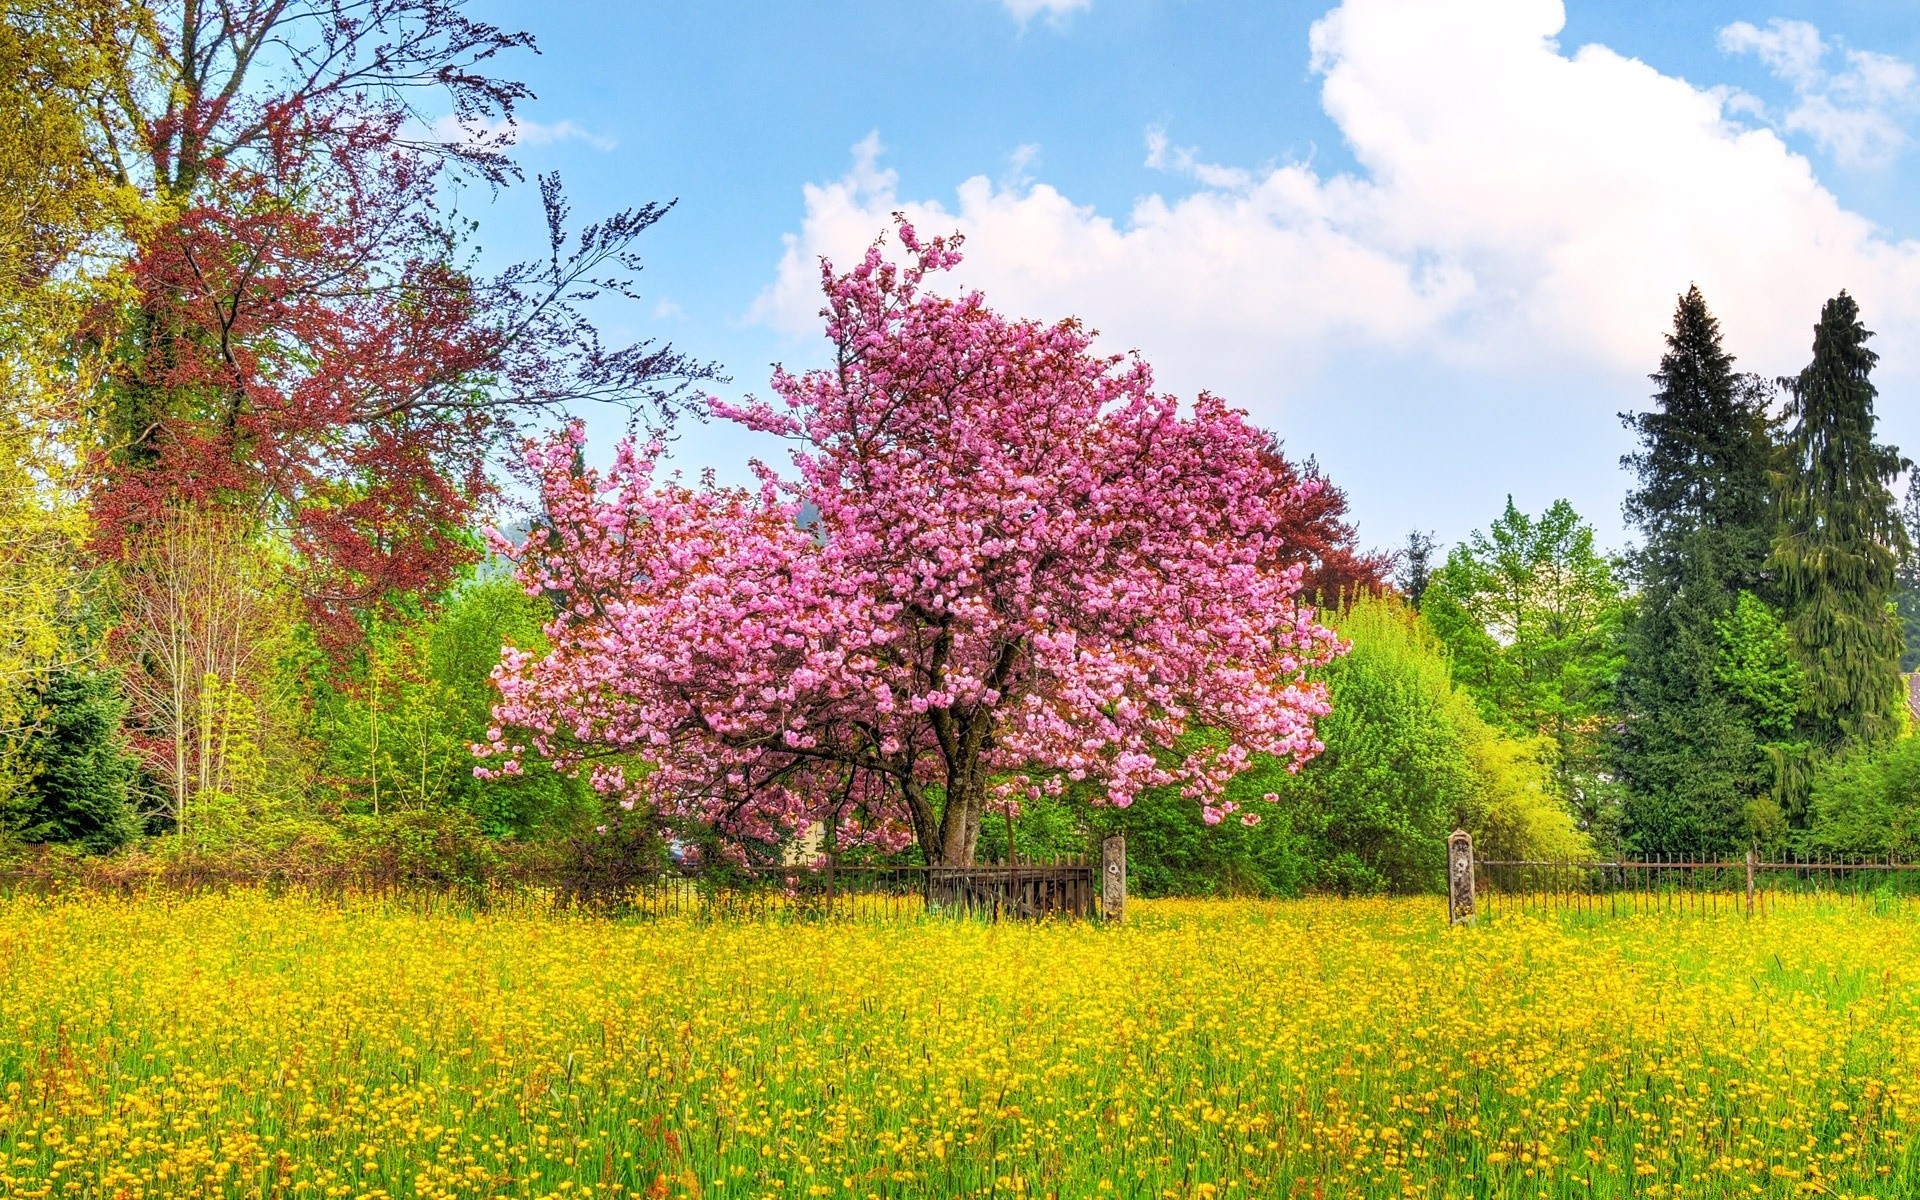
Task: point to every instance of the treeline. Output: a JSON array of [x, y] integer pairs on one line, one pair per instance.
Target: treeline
[[255, 390], [1760, 664]]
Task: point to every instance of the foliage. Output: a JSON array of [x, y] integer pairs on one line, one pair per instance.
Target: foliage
[[1315, 534], [1415, 569], [1906, 599], [1530, 613], [204, 617], [294, 332], [51, 209], [397, 728], [1839, 543], [1757, 667], [1259, 1049], [1836, 552], [1688, 751], [1020, 567], [1407, 759], [78, 769], [1866, 803]]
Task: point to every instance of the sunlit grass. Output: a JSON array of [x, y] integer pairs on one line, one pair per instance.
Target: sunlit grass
[[285, 1047]]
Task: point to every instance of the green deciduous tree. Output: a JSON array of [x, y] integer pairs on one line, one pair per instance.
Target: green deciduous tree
[[1838, 545], [1408, 758], [398, 727], [1866, 802], [1530, 613], [1687, 751]]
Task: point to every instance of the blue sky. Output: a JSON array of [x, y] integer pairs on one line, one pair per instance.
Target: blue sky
[[1433, 243]]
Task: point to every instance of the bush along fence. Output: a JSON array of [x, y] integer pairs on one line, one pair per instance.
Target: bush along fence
[[1749, 884]]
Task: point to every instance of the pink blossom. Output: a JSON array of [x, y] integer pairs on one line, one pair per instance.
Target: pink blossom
[[1023, 567]]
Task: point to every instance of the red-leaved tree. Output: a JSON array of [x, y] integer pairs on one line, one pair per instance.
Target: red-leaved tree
[[1004, 563], [302, 342], [1317, 536]]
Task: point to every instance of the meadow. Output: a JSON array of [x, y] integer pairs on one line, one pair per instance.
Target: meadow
[[247, 1045]]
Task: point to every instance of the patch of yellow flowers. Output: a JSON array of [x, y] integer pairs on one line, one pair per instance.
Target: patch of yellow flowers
[[254, 1046]]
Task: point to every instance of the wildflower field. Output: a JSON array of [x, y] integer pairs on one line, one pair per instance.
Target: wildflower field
[[252, 1046]]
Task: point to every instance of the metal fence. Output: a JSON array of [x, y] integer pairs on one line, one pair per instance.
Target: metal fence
[[1680, 884], [1025, 891]]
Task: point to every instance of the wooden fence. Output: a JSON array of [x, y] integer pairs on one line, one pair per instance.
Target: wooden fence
[[1682, 884]]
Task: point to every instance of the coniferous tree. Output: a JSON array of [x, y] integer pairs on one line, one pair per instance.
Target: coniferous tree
[[1687, 751], [1416, 567], [80, 767], [1838, 546]]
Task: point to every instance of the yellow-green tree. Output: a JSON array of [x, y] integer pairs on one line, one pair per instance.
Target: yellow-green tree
[[54, 209]]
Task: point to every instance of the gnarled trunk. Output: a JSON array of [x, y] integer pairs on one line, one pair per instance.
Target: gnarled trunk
[[949, 836]]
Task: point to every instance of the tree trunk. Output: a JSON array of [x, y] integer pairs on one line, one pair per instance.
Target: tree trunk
[[966, 806]]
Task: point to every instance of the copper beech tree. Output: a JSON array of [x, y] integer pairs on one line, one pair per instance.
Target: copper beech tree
[[1002, 563], [302, 340]]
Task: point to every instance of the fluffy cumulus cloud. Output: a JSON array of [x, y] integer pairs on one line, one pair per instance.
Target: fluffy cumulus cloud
[[1518, 206], [1856, 113]]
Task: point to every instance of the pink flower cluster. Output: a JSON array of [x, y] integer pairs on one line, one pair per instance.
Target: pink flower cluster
[[1002, 564]]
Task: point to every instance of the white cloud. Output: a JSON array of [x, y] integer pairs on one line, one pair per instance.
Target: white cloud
[[1055, 11], [516, 131], [1856, 113], [667, 310], [1517, 208], [1790, 49]]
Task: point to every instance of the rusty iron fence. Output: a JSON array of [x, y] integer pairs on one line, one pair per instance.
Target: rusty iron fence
[[1016, 890], [1746, 885], [1023, 889]]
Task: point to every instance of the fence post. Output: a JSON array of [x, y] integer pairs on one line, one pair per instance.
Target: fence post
[[1460, 878], [1753, 860], [1113, 877]]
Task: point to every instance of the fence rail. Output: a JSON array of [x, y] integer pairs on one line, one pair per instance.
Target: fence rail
[[1748, 884]]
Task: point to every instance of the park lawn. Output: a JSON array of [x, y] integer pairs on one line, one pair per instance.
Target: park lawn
[[256, 1046]]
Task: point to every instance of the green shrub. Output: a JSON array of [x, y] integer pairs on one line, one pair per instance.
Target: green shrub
[[1867, 803]]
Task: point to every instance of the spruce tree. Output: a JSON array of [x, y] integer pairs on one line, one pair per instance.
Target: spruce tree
[[1416, 567], [1839, 544], [80, 769], [1686, 750]]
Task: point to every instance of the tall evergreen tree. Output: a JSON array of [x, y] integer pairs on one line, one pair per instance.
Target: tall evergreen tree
[[1839, 544], [1686, 750], [80, 767]]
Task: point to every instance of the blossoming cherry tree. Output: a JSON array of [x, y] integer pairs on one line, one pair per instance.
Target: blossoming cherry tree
[[1001, 563]]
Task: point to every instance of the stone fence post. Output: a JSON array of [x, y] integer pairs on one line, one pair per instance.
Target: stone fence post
[[1460, 878], [1113, 877]]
